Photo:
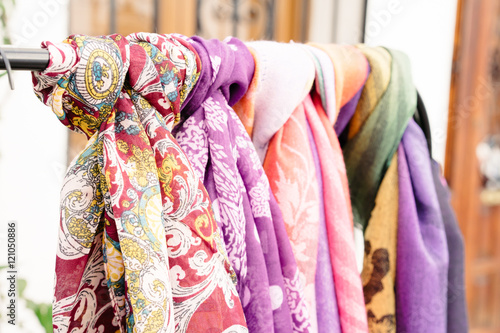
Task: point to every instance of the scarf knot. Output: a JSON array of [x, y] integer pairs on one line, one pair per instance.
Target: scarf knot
[[86, 75]]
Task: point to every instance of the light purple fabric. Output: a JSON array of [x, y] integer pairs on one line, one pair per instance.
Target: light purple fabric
[[422, 252], [457, 305], [327, 312], [220, 150]]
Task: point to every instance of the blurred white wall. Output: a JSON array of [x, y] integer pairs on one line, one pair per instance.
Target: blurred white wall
[[32, 162], [336, 21], [425, 31]]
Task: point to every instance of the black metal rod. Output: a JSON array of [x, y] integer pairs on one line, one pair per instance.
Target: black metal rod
[[156, 15], [236, 17], [25, 59], [112, 16], [363, 27]]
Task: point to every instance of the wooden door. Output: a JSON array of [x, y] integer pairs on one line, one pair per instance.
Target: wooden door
[[474, 115]]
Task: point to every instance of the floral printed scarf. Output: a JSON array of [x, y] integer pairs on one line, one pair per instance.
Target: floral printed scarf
[[139, 248]]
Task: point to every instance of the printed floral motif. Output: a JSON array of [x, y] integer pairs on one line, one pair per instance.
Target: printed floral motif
[[260, 198], [292, 175], [139, 248]]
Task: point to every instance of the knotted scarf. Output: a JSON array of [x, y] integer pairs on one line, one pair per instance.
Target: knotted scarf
[[139, 248], [223, 155]]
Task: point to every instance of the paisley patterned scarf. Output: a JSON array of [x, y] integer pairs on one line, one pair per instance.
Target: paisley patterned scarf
[[139, 248], [222, 154]]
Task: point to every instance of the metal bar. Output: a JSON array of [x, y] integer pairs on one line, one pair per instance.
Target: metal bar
[[112, 16], [365, 13], [305, 21], [156, 15], [25, 59], [272, 20], [236, 18], [7, 67], [335, 20]]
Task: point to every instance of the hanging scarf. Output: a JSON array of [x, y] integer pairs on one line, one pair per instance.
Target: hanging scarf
[[422, 262], [288, 87], [457, 306], [290, 167], [338, 221], [280, 134], [327, 311], [386, 114], [139, 249], [379, 264], [224, 157], [351, 70]]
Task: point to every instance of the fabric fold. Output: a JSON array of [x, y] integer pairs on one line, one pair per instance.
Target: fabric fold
[[422, 250], [219, 147], [285, 77], [386, 115], [457, 319], [339, 225]]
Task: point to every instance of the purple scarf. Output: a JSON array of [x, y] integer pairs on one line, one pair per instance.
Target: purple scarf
[[221, 152], [457, 306], [422, 252]]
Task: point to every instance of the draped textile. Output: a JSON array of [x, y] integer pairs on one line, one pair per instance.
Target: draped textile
[[351, 69], [457, 321], [339, 223], [139, 248], [380, 237], [422, 262], [327, 311], [288, 87], [386, 114], [379, 266], [290, 168], [223, 155]]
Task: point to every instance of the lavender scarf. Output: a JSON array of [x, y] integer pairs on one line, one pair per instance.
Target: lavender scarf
[[221, 152], [422, 251]]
